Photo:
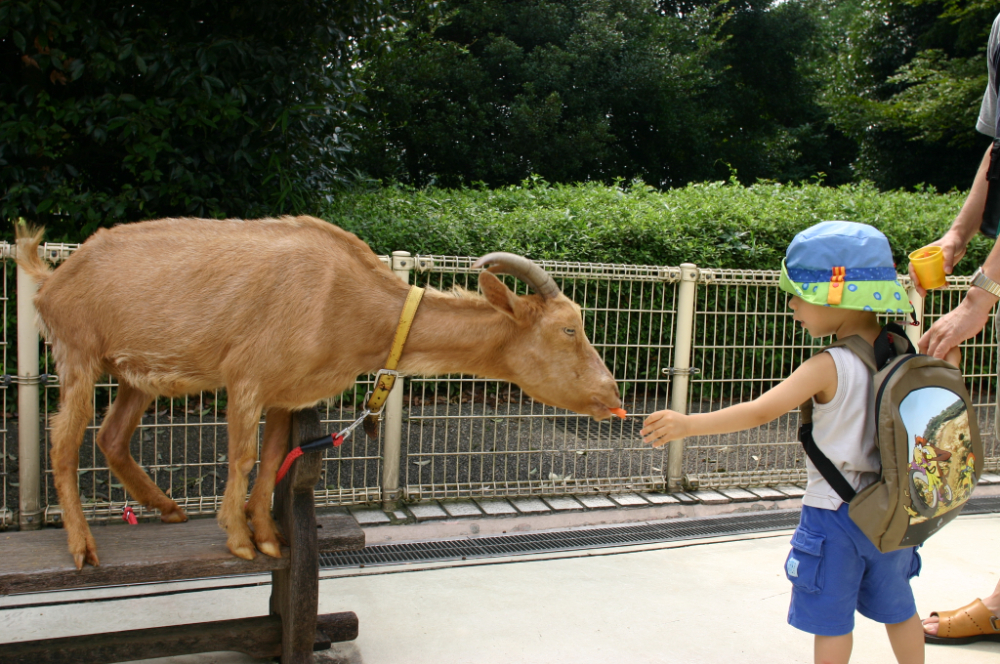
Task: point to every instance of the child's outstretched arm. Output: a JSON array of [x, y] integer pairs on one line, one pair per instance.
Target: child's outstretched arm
[[817, 377]]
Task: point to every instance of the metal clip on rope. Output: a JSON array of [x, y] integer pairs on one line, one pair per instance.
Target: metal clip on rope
[[332, 440]]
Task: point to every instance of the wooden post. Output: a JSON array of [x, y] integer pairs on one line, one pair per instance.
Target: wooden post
[[295, 589]]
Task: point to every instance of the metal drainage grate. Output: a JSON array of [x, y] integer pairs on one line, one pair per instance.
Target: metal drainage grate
[[565, 540], [591, 538], [986, 505]]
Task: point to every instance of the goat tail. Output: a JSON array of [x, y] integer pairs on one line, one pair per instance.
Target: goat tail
[[28, 239]]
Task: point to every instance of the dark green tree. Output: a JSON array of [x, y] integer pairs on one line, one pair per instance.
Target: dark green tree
[[770, 82], [496, 90], [121, 111], [669, 92], [907, 85]]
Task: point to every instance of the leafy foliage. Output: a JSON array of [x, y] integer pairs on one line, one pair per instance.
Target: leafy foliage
[[494, 91], [715, 224], [770, 77], [119, 111], [907, 85]]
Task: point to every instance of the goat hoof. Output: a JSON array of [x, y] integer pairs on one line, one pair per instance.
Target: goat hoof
[[175, 515], [244, 551], [89, 556], [270, 549]]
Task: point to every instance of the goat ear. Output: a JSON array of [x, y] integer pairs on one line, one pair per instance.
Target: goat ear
[[497, 294]]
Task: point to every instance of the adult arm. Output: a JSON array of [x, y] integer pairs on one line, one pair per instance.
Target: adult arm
[[964, 227], [971, 315]]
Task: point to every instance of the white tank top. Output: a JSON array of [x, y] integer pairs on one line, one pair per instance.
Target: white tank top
[[844, 429]]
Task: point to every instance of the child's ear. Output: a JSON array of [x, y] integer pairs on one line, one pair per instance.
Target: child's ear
[[498, 295]]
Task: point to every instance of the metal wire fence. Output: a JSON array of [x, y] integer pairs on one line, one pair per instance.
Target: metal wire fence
[[183, 444], [464, 436], [745, 341], [8, 447]]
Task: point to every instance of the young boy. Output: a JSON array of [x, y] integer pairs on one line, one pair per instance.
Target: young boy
[[839, 274]]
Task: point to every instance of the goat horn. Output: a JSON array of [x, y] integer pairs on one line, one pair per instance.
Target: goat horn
[[501, 262]]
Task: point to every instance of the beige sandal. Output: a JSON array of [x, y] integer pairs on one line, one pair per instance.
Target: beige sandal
[[969, 624]]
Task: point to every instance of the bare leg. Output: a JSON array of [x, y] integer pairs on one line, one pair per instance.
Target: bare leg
[[992, 603], [243, 417], [113, 439], [833, 649], [273, 451], [68, 426], [907, 639]]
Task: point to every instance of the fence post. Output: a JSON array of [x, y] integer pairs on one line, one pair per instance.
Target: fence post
[[392, 419], [914, 332], [682, 368], [29, 444]]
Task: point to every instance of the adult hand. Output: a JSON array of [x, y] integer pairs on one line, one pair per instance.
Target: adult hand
[[963, 322], [953, 247]]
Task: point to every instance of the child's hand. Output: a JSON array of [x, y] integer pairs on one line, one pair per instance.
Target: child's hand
[[663, 426]]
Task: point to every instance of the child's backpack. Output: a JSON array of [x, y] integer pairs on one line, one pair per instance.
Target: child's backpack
[[927, 435]]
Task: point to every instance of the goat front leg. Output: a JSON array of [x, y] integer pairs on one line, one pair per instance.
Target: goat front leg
[[76, 410], [113, 439], [243, 420], [258, 508]]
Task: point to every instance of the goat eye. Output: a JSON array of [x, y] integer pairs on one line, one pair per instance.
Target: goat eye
[[570, 331]]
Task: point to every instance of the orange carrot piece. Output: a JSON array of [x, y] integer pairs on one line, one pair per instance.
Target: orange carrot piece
[[620, 412]]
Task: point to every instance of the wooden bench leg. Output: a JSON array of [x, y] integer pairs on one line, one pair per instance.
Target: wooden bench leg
[[295, 590]]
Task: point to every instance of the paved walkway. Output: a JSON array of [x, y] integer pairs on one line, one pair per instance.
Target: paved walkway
[[718, 600]]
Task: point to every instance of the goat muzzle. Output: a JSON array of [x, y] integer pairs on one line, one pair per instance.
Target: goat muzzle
[[501, 262]]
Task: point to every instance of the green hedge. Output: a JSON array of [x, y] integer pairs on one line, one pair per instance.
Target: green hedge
[[717, 224]]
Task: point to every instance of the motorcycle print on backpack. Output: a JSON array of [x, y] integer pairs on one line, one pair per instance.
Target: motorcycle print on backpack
[[928, 440]]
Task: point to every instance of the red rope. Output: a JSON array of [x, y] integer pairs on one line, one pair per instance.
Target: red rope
[[287, 463]]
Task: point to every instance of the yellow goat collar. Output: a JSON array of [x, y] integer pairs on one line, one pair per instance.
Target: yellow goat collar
[[386, 377]]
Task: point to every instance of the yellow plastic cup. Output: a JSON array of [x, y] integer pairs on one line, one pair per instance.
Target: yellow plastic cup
[[928, 263]]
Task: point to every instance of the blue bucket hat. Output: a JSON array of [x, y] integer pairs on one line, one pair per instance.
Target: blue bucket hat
[[844, 264]]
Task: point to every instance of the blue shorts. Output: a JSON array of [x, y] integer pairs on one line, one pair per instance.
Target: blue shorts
[[835, 569]]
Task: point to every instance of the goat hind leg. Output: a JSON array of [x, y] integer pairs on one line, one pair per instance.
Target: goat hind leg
[[113, 439], [68, 426], [258, 508], [242, 426]]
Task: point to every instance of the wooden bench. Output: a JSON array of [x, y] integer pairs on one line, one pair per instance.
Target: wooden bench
[[38, 561]]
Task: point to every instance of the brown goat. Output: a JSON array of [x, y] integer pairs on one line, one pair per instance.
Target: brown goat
[[283, 313]]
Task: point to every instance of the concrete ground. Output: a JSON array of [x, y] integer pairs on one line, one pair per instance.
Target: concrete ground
[[714, 600]]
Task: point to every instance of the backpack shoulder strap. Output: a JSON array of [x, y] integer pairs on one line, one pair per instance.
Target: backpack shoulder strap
[[864, 350], [822, 462], [866, 353], [891, 341]]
